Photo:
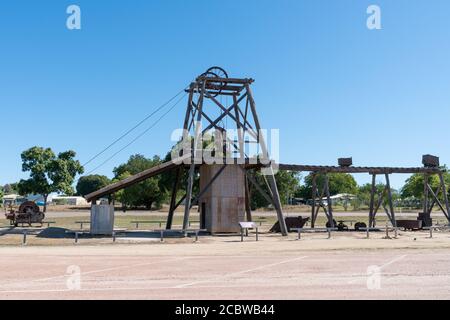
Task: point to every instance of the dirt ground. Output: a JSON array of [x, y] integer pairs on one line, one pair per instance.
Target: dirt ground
[[347, 266]]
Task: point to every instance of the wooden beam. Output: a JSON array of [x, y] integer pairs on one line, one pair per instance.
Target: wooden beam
[[144, 175]]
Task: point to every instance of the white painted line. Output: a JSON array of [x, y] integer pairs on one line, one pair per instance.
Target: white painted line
[[363, 277], [95, 271], [240, 272]]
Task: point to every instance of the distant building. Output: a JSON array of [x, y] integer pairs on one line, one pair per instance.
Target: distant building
[[70, 201], [12, 200]]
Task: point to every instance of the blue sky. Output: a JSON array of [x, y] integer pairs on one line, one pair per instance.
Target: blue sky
[[333, 87]]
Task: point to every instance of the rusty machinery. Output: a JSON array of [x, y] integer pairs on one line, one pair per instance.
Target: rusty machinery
[[28, 213]]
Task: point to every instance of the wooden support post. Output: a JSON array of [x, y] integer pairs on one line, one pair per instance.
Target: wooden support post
[[445, 195], [248, 208], [391, 203], [329, 204], [173, 198], [425, 194], [198, 131], [277, 202], [240, 132], [270, 176], [313, 205], [372, 202]]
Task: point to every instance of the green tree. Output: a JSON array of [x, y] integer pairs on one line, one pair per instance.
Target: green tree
[[288, 184], [10, 188], [48, 173], [146, 193], [338, 183], [414, 185], [1, 195], [92, 183]]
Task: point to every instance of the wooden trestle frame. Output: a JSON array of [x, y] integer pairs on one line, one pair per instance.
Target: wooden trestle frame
[[241, 111], [376, 200]]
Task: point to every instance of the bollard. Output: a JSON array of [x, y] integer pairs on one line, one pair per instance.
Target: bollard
[[329, 233], [242, 235], [76, 237], [257, 234], [196, 235], [395, 232], [114, 236], [367, 233], [24, 240], [162, 236], [299, 235], [431, 233]]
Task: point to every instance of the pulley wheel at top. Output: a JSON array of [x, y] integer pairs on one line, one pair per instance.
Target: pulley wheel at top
[[215, 72]]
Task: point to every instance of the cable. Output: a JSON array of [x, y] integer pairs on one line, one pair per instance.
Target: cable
[[138, 137], [133, 128]]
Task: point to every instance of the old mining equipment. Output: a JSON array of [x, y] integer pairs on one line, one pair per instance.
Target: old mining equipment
[[28, 212]]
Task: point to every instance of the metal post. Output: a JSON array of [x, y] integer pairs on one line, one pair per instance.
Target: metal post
[[257, 234], [24, 240], [196, 235], [242, 235], [431, 233], [367, 232], [162, 235], [329, 233], [114, 236], [76, 237]]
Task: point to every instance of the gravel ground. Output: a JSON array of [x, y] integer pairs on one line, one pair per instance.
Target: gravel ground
[[348, 266]]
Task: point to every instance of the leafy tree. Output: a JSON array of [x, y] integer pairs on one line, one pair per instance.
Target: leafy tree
[[414, 185], [10, 188], [48, 172], [92, 183], [338, 183], [288, 184], [146, 193]]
